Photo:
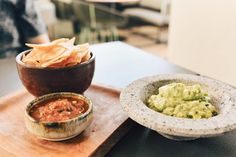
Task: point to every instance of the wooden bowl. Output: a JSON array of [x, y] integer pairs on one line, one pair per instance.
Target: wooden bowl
[[40, 81], [61, 130]]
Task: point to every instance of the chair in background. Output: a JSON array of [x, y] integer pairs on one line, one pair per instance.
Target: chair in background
[[92, 23], [64, 27], [63, 9], [155, 12], [98, 23]]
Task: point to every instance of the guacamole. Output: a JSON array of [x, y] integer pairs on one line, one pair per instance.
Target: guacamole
[[183, 101]]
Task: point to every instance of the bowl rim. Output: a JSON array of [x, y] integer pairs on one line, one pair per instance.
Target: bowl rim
[[130, 99], [57, 95], [19, 61]]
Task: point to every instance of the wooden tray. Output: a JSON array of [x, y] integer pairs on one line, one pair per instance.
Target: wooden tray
[[109, 125]]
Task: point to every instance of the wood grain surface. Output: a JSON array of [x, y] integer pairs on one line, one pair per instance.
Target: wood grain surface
[[110, 123]]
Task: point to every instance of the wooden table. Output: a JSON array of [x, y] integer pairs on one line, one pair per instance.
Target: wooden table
[[117, 64]]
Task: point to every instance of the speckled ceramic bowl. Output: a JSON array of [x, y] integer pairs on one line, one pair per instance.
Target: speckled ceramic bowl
[[133, 100], [61, 130]]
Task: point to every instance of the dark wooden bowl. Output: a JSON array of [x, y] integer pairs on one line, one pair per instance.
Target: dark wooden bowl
[[40, 81]]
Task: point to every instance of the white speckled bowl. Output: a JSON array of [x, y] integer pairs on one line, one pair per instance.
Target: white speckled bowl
[[133, 100]]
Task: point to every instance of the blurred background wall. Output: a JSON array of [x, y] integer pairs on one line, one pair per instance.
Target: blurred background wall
[[202, 37]]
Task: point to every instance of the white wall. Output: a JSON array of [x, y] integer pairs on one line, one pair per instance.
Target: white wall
[[202, 37]]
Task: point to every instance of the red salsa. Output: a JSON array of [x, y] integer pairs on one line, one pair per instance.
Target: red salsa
[[58, 109]]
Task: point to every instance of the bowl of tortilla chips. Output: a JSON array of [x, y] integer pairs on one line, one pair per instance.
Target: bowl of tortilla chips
[[58, 66]]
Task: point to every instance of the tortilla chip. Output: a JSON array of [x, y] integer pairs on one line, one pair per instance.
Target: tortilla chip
[[58, 53]]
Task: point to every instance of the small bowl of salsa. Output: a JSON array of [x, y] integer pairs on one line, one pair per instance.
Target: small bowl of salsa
[[58, 116]]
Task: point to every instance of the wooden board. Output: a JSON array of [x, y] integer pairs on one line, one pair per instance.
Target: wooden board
[[109, 125]]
